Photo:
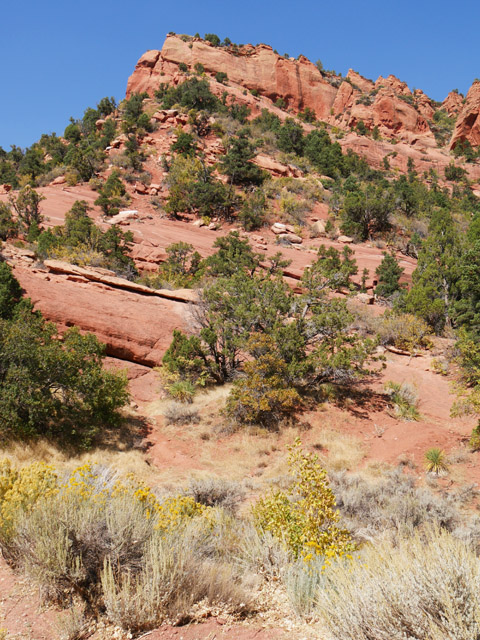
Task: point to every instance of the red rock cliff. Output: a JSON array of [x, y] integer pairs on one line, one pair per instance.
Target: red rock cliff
[[298, 82], [467, 127]]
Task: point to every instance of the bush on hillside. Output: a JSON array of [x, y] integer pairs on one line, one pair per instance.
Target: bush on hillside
[[304, 517]]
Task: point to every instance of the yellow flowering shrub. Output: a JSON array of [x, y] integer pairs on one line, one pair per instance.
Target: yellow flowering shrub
[[304, 517], [21, 489]]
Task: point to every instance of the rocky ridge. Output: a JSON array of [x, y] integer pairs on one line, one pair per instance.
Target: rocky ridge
[[387, 105]]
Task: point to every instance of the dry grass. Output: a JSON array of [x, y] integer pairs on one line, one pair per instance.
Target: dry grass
[[129, 461], [392, 503], [178, 413], [216, 492], [174, 577], [426, 587], [100, 540], [339, 451]]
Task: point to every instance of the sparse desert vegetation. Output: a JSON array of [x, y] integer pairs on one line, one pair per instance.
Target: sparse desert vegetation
[[253, 394]]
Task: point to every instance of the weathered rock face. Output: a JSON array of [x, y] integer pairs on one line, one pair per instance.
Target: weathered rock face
[[393, 83], [362, 83], [423, 104], [467, 127], [400, 118], [453, 103], [134, 327], [394, 117], [298, 82]]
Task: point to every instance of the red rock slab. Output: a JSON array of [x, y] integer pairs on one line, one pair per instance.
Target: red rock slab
[[134, 327]]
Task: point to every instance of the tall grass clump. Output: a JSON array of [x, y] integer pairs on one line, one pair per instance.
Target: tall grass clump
[[426, 587]]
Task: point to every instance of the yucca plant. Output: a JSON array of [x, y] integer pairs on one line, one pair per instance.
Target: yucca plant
[[435, 461], [404, 399]]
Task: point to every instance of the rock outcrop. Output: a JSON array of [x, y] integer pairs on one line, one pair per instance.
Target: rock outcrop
[[387, 104], [298, 82], [453, 103], [467, 128], [134, 327]]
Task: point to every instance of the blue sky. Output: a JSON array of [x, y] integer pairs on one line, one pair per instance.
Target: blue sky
[[57, 58]]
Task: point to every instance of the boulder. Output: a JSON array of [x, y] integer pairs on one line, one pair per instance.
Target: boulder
[[278, 227], [58, 180], [135, 327], [291, 237], [365, 298], [318, 228], [345, 239], [276, 168], [123, 217], [140, 188]]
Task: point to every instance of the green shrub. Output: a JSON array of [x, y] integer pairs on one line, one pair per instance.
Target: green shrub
[[184, 145], [388, 273], [221, 77], [111, 194], [474, 442], [454, 173], [48, 387], [304, 517], [191, 94], [213, 38], [8, 228], [236, 163], [27, 208], [10, 292], [252, 214], [404, 399], [263, 395]]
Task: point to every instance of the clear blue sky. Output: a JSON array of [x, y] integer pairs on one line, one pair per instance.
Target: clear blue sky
[[57, 58]]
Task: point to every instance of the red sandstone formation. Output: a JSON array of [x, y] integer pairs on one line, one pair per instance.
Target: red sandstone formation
[[364, 84], [298, 82], [135, 328], [387, 104], [453, 103], [393, 83], [423, 104], [467, 127]]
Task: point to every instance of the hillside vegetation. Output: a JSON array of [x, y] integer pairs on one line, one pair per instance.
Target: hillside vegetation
[[284, 330]]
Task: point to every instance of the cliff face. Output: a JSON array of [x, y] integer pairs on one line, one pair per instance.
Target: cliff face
[[467, 127], [298, 82], [387, 104]]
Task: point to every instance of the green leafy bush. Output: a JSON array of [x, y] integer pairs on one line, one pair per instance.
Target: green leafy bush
[[112, 194], [304, 517], [48, 387], [404, 399]]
